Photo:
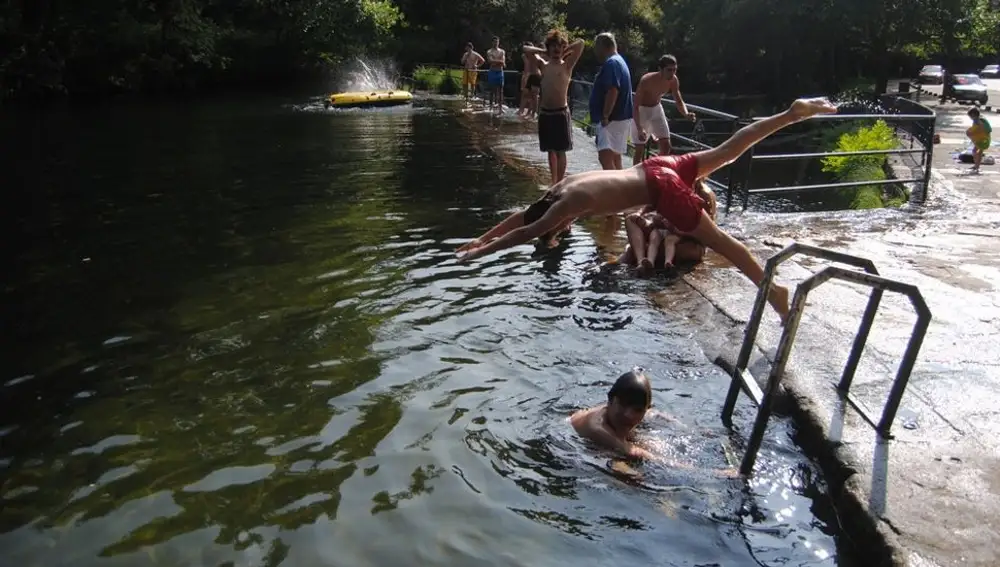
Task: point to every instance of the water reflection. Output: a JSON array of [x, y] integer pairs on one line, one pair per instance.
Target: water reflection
[[288, 367]]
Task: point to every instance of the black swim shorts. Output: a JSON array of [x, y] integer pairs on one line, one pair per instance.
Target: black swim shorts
[[534, 82], [555, 130]]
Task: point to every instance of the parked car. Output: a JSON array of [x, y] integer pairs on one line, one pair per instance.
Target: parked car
[[931, 75], [966, 88], [990, 72]]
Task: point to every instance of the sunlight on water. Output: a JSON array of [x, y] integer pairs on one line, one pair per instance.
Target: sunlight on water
[[274, 359]]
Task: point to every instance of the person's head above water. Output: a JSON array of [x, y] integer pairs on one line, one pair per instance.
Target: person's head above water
[[628, 400], [555, 44], [668, 66]]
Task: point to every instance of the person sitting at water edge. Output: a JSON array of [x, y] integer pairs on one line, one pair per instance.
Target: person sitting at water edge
[[612, 425], [470, 75], [663, 181], [555, 125], [655, 238], [647, 113]]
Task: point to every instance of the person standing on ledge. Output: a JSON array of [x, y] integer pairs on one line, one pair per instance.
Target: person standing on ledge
[[470, 76], [611, 103], [648, 116], [497, 59]]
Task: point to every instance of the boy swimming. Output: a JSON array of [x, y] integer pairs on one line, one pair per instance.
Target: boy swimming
[[613, 424], [663, 181]]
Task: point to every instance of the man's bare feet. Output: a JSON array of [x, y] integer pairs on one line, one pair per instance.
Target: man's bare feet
[[807, 107], [778, 297]]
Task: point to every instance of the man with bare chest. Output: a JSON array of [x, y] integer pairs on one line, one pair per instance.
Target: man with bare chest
[[555, 125], [648, 116], [496, 57]]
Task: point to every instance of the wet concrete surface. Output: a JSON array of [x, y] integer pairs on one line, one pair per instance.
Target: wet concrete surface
[[934, 488]]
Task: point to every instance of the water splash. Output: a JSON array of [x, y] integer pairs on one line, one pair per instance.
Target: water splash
[[371, 75]]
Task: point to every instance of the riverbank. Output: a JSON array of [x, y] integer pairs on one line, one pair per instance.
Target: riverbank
[[931, 496], [934, 491]]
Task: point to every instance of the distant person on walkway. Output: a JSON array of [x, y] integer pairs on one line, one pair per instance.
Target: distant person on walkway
[[663, 181], [611, 103], [612, 425], [470, 75], [497, 60], [531, 82], [980, 134], [647, 114], [659, 242], [555, 124]]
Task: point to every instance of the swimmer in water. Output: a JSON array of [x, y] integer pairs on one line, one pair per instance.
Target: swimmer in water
[[663, 181], [612, 425]]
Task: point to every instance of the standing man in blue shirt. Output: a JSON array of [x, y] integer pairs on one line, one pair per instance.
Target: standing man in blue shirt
[[611, 103]]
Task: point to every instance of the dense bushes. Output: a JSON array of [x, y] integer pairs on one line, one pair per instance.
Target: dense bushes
[[878, 136], [437, 79]]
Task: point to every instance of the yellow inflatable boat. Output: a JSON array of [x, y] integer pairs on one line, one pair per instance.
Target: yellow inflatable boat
[[367, 99]]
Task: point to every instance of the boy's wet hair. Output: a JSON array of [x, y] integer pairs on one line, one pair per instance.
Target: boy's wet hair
[[555, 37], [973, 113], [668, 60], [632, 390]]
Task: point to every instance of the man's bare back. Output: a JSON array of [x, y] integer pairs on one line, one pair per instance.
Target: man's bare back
[[653, 87]]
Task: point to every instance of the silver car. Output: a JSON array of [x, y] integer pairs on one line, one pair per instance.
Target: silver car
[[966, 88], [990, 72], [931, 75]]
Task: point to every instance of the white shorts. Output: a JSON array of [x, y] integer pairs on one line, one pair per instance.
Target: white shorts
[[613, 137], [653, 121]]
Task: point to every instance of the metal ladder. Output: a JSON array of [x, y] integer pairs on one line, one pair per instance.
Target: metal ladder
[[741, 378]]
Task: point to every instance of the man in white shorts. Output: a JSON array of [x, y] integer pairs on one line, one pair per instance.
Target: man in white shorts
[[611, 103], [648, 115]]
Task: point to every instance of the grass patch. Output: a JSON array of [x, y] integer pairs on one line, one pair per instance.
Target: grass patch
[[437, 79], [856, 169]]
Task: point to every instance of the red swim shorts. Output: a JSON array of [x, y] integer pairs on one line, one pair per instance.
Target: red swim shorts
[[669, 180]]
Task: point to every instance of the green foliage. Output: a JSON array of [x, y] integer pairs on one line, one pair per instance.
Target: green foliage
[[437, 79], [878, 136]]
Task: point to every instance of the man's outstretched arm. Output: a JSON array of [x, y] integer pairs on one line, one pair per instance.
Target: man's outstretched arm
[[508, 224], [552, 218]]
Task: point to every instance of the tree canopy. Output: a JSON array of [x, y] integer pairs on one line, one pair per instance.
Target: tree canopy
[[769, 46]]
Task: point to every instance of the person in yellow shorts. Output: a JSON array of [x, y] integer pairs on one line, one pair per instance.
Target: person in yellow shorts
[[980, 133], [470, 73]]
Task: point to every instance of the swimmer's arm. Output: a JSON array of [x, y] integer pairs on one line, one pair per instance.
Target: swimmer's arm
[[573, 52], [552, 218], [606, 439], [479, 59], [533, 50], [508, 224]]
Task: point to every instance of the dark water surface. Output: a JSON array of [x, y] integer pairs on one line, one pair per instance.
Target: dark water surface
[[235, 335]]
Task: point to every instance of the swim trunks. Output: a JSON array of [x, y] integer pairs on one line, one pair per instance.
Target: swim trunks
[[534, 82], [653, 121], [470, 77], [538, 209], [495, 77], [669, 180], [555, 130]]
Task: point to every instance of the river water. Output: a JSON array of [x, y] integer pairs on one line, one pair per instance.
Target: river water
[[235, 334]]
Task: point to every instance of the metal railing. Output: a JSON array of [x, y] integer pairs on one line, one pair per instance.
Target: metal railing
[[741, 379], [918, 121], [736, 179]]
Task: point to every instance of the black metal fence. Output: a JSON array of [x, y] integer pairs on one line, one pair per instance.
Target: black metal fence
[[736, 181]]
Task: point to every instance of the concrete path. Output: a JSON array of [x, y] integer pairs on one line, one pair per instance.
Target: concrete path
[[935, 488]]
